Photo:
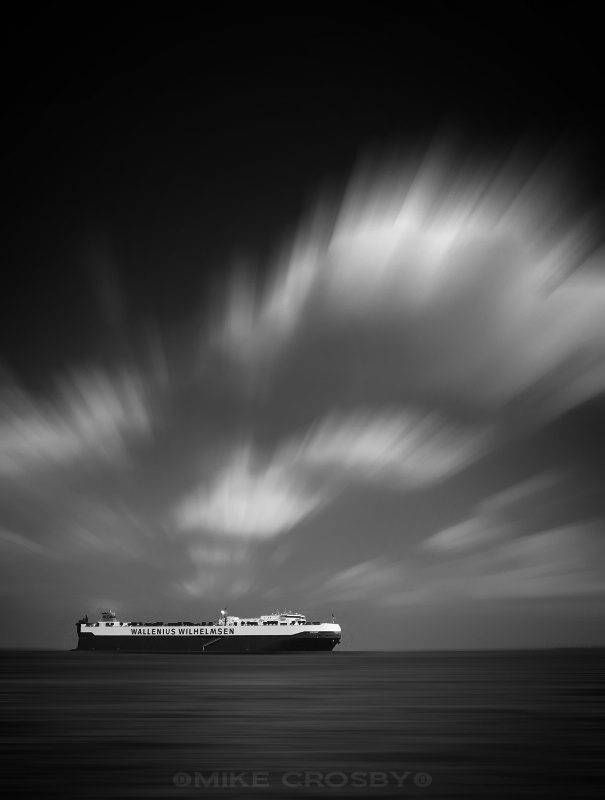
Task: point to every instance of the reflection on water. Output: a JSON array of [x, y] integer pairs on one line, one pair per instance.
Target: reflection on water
[[304, 725]]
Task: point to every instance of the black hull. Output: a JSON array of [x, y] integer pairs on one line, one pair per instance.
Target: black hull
[[298, 642]]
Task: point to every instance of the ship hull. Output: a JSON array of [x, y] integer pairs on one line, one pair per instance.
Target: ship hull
[[298, 642]]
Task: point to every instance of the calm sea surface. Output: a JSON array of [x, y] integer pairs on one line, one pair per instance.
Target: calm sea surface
[[330, 725]]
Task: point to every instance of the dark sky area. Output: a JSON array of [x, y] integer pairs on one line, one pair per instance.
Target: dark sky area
[[304, 310]]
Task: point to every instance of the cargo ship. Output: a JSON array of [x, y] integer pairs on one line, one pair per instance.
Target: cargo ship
[[272, 633]]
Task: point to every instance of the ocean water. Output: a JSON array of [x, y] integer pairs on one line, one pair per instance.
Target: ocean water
[[320, 725]]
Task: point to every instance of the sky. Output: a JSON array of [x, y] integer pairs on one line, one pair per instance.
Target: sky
[[309, 314]]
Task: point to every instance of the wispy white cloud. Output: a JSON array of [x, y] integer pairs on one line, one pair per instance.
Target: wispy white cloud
[[380, 582], [91, 417], [15, 545], [493, 518], [100, 526], [404, 448], [256, 496], [562, 562], [212, 583], [559, 563], [556, 563], [492, 555], [535, 490], [476, 559], [468, 535], [214, 555], [370, 580], [217, 567], [435, 278], [257, 323], [249, 499]]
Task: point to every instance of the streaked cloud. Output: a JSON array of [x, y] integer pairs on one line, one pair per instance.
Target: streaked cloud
[[447, 278], [214, 555], [490, 557], [105, 527], [256, 496], [535, 490], [249, 499], [256, 323], [562, 562], [210, 584], [15, 545], [381, 582], [494, 518], [556, 563], [468, 535], [404, 448], [217, 567], [91, 417], [369, 580]]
